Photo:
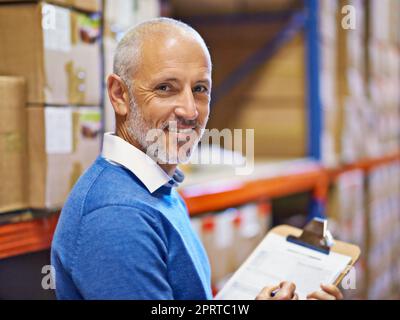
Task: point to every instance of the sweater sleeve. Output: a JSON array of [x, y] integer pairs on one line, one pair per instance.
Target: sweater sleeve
[[121, 254]]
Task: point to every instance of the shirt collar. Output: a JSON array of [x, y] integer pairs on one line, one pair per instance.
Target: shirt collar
[[119, 151]]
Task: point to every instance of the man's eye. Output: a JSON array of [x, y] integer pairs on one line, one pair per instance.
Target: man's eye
[[163, 87], [200, 89]]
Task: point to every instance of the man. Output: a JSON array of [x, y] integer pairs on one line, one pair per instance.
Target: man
[[124, 232]]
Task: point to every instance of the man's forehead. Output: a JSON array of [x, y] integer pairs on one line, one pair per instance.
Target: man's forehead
[[172, 50]]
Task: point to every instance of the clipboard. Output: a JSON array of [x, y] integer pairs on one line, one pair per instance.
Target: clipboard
[[316, 236], [307, 254]]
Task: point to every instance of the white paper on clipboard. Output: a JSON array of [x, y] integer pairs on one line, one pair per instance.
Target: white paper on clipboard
[[275, 260]]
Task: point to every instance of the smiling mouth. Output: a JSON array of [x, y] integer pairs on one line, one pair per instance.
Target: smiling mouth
[[184, 129], [175, 130], [182, 135]]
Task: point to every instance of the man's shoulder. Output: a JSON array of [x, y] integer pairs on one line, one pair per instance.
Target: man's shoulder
[[105, 184]]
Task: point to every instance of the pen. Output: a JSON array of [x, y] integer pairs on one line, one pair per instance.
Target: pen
[[273, 293]]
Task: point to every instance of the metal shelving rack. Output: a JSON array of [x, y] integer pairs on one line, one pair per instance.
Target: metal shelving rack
[[300, 20], [30, 231]]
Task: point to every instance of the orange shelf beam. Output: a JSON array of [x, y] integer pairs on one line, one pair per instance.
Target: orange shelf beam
[[365, 165], [251, 191], [26, 237], [35, 235]]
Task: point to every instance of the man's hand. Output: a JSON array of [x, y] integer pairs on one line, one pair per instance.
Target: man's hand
[[284, 291], [328, 292]]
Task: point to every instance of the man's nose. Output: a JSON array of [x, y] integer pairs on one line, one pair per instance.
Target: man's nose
[[186, 107]]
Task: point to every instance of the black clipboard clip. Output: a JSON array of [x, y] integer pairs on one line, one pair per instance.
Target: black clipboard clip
[[315, 236]]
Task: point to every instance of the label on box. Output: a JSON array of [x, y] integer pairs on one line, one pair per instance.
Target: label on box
[[90, 122], [58, 129], [56, 24]]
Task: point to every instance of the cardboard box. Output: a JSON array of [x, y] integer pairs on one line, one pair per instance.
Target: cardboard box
[[87, 5], [279, 127], [56, 2], [56, 49], [84, 5], [62, 143], [279, 124], [271, 100], [13, 149]]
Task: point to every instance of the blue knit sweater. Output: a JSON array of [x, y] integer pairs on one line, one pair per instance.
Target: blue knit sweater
[[116, 240]]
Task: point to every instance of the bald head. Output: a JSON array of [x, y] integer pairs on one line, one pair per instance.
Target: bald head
[[155, 32]]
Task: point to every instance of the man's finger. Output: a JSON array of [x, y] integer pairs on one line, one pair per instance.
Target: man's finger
[[288, 285], [332, 290], [286, 291], [295, 297], [321, 295], [265, 293]]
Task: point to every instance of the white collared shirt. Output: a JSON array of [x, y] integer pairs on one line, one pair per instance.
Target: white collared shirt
[[120, 152]]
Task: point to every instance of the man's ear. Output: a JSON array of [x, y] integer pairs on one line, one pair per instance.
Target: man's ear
[[118, 94]]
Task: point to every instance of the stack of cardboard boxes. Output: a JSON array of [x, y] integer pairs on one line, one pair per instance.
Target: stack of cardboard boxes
[[56, 48], [354, 114], [368, 79], [328, 66], [383, 203], [13, 147], [384, 72], [365, 209], [231, 235], [347, 221]]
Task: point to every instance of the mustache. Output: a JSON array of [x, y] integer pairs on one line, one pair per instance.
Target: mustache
[[182, 122]]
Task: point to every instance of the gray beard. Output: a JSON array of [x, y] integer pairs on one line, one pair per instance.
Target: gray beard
[[138, 128]]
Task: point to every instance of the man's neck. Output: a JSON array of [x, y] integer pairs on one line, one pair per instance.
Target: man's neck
[[123, 134]]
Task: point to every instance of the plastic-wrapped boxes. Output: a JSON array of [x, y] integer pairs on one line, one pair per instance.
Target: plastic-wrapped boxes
[[231, 235], [347, 215], [384, 71], [383, 200]]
